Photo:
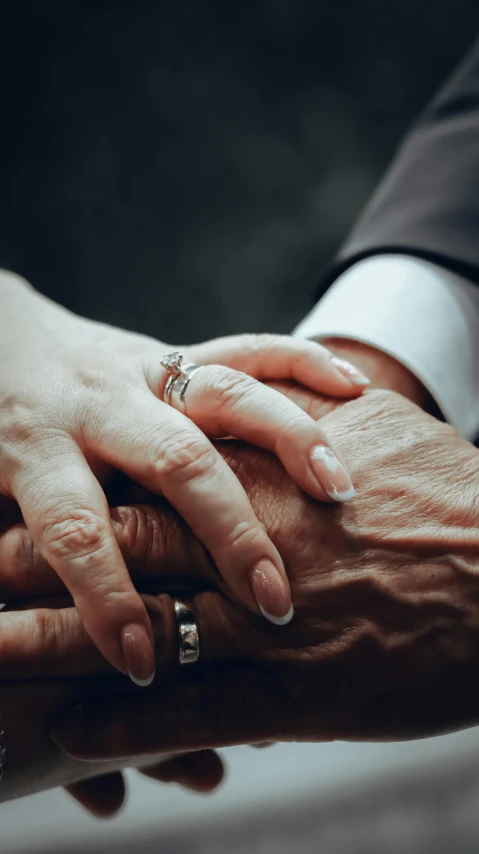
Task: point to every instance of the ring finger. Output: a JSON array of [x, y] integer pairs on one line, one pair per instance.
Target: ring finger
[[225, 402]]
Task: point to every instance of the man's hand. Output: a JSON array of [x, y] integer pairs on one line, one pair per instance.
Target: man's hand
[[385, 639], [34, 762]]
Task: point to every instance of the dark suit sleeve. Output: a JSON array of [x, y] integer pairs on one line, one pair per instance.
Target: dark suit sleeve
[[428, 202]]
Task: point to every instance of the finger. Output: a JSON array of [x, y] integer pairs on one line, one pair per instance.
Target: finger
[[316, 405], [158, 548], [274, 357], [163, 450], [66, 512], [23, 569], [219, 708], [52, 642], [223, 402], [102, 796], [202, 771]]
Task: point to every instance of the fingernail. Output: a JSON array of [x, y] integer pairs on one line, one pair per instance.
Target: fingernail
[[271, 593], [349, 371], [331, 474], [139, 655]]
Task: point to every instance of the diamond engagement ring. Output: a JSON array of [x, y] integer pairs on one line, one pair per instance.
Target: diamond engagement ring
[[178, 381], [189, 641]]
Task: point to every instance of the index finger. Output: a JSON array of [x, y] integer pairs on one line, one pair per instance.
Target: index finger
[[65, 509]]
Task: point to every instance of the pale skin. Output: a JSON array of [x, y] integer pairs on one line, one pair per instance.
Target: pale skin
[[384, 641], [79, 400]]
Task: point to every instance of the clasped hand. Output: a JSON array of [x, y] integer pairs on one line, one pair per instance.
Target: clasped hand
[[79, 399], [385, 639]]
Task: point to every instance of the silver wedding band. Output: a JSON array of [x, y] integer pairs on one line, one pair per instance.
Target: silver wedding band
[[179, 379], [188, 638]]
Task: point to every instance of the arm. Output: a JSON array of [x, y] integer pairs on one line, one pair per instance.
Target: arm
[[405, 279], [413, 313]]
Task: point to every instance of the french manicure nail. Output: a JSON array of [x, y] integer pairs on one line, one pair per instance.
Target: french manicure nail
[[271, 593], [349, 371], [139, 655], [331, 474]]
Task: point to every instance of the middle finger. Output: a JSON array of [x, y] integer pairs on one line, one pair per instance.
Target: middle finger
[[225, 402], [165, 451]]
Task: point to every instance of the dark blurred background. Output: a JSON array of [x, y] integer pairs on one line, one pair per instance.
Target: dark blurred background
[[187, 167]]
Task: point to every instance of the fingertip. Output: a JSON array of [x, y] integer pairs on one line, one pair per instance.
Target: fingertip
[[139, 654], [330, 474], [272, 593], [278, 621], [349, 372], [101, 796], [201, 772]]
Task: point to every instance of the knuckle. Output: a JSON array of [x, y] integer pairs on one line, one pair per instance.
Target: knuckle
[[261, 341], [296, 422], [243, 537], [139, 532], [91, 377], [49, 632], [295, 429], [24, 426], [230, 387], [45, 632], [20, 558], [128, 527], [80, 534], [185, 458]]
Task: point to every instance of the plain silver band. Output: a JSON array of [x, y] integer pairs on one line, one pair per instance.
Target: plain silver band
[[176, 386], [189, 641]]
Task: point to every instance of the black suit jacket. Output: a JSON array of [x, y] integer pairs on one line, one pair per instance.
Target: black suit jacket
[[428, 202]]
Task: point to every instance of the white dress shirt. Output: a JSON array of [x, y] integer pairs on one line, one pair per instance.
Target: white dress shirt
[[421, 314]]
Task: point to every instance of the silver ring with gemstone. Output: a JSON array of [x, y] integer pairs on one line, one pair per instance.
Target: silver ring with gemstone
[[179, 379], [188, 638]]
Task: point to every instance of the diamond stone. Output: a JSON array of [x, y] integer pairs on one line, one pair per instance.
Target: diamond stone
[[172, 362]]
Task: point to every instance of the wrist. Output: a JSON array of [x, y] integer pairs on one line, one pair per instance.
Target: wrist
[[384, 371]]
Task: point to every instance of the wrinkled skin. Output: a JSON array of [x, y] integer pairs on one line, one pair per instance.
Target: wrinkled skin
[[35, 763], [384, 643]]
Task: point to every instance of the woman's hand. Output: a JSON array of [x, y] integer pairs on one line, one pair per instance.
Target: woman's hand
[[79, 399]]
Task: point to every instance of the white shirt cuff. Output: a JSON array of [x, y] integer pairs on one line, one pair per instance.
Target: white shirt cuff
[[421, 314]]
